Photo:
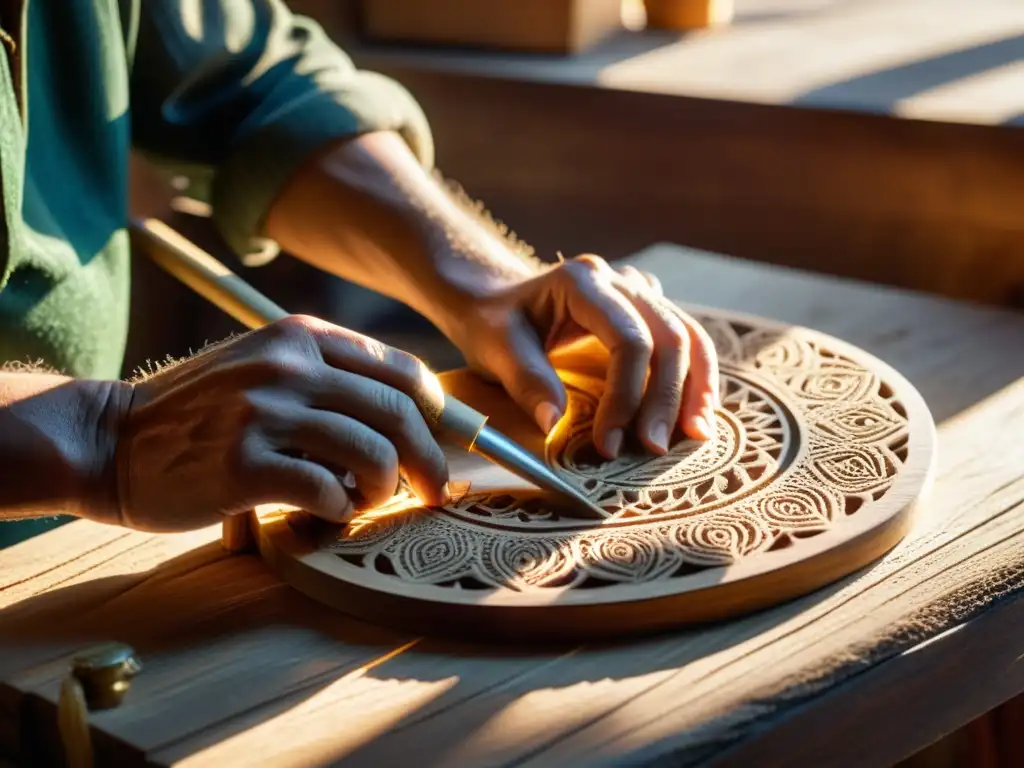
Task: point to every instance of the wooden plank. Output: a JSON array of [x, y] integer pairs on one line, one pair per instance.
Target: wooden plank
[[249, 667], [965, 556], [981, 665], [700, 688], [198, 618]]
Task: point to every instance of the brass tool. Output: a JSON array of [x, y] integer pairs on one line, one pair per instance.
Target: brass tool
[[457, 422], [99, 678]]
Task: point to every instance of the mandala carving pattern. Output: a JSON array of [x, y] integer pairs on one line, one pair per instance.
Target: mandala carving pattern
[[806, 439]]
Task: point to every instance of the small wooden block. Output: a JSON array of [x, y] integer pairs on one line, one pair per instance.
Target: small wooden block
[[821, 453], [688, 14], [552, 26], [236, 533]]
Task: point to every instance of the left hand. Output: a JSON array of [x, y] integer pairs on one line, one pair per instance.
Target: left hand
[[663, 369]]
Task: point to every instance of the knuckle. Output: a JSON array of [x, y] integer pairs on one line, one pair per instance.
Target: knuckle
[[289, 367], [652, 283], [252, 410], [367, 346], [417, 382], [242, 457], [409, 368], [637, 342], [296, 332], [678, 341], [281, 368], [668, 391], [591, 262], [580, 270], [305, 323], [398, 406], [322, 492], [294, 325], [677, 338], [381, 455], [532, 378], [249, 408], [629, 271]]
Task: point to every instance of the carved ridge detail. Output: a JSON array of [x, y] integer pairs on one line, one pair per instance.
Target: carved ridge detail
[[806, 438]]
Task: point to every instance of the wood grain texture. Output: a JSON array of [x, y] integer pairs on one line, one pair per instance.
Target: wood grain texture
[[820, 456], [242, 670]]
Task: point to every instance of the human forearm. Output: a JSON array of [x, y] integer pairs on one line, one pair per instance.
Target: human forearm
[[367, 211], [54, 449]]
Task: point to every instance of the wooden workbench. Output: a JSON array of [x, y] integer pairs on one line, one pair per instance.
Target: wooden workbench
[[242, 670], [872, 139]]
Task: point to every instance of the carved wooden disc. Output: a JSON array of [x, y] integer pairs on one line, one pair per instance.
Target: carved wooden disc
[[820, 453]]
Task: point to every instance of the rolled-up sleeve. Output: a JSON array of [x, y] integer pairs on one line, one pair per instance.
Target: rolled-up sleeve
[[236, 94]]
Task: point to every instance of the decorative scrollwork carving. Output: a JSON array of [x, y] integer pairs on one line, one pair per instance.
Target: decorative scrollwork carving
[[626, 556], [524, 563], [722, 537], [806, 439]]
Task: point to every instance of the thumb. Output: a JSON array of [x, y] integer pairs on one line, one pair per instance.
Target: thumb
[[523, 368]]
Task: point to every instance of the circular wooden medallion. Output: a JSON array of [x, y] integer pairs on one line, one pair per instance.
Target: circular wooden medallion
[[821, 452]]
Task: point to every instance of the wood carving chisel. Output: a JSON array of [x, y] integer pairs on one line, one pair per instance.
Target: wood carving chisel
[[457, 422]]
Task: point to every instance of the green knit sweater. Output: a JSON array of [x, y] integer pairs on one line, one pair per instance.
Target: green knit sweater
[[233, 94]]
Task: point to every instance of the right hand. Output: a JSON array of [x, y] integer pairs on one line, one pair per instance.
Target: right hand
[[282, 414]]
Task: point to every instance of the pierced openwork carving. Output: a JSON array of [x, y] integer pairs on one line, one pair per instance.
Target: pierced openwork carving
[[820, 449], [805, 438]]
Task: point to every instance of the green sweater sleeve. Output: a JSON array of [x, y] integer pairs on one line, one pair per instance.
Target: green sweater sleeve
[[236, 94]]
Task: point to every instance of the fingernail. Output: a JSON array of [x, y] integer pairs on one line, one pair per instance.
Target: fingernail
[[713, 399], [700, 424], [547, 415], [613, 443], [459, 489], [446, 494], [709, 417], [348, 513], [659, 435]]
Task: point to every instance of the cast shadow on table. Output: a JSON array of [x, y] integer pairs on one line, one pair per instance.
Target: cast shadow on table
[[886, 88], [254, 649]]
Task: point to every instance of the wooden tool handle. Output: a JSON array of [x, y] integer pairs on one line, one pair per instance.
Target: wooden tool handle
[[220, 286], [459, 423], [212, 280], [205, 275]]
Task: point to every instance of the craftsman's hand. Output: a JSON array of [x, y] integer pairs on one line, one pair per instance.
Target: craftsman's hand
[[367, 210], [663, 369], [286, 414]]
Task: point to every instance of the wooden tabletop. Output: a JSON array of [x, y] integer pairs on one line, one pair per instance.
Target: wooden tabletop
[[941, 60], [240, 669]]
